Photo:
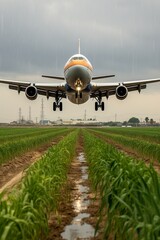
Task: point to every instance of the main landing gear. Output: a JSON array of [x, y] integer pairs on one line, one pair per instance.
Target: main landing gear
[[55, 106], [57, 103], [99, 103]]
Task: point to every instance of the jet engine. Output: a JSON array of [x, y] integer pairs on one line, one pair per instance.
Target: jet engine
[[121, 92], [31, 92]]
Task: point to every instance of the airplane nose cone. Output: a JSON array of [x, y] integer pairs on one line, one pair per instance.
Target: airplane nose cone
[[78, 77]]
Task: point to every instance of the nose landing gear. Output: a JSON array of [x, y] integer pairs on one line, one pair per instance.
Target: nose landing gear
[[78, 94]]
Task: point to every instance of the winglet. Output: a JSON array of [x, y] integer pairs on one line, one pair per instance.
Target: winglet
[[79, 46]]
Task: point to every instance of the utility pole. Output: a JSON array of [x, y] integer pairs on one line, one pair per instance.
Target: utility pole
[[116, 117], [20, 115], [85, 116], [42, 112], [30, 114]]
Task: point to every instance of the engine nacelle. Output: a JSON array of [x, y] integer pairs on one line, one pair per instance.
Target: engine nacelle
[[121, 92], [31, 92]]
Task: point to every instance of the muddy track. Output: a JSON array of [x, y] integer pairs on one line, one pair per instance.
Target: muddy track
[[12, 171], [129, 152], [76, 208]]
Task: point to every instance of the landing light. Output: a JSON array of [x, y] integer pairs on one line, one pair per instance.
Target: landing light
[[78, 89], [78, 85]]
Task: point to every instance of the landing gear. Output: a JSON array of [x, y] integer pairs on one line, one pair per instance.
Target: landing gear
[[102, 106], [96, 106], [57, 103], [99, 103], [55, 106], [78, 94]]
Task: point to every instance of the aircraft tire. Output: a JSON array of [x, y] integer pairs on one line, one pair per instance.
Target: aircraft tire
[[61, 106], [96, 106], [102, 106], [54, 106]]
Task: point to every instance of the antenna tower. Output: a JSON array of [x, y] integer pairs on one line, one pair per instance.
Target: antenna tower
[[20, 115], [42, 112], [30, 114], [85, 115]]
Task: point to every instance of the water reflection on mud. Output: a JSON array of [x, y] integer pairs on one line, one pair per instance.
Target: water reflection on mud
[[78, 229]]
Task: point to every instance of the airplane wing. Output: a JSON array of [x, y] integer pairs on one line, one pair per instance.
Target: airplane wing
[[45, 89], [14, 82], [51, 89], [108, 89]]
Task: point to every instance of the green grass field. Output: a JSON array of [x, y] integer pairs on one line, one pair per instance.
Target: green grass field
[[129, 190]]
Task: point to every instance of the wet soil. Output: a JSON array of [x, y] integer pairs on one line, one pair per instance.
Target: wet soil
[[12, 171], [78, 208], [77, 191]]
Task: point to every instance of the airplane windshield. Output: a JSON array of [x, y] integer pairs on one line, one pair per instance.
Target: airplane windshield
[[77, 58]]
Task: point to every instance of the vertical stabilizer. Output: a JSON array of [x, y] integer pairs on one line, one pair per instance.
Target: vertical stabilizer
[[79, 46]]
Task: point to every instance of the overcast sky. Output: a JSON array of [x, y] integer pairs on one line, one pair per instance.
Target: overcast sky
[[119, 37]]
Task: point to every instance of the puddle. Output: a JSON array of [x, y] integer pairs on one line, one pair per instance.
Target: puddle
[[78, 229]]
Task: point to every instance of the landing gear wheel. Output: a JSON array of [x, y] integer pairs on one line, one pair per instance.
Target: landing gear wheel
[[102, 106], [96, 106], [99, 105], [54, 106], [60, 106]]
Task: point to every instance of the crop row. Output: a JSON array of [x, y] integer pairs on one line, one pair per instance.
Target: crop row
[[147, 134], [144, 148], [19, 133], [129, 192], [25, 215], [14, 148]]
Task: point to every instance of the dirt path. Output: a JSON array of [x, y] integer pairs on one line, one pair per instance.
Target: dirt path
[[12, 171], [78, 209], [129, 152]]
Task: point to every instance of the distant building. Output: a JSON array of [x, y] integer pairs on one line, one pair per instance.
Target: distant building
[[45, 122]]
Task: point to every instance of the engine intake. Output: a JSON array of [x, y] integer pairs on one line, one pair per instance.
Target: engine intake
[[121, 92], [31, 92]]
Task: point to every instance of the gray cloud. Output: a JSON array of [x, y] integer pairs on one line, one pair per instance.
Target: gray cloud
[[118, 36]]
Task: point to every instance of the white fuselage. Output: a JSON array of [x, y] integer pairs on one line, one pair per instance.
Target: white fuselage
[[78, 75]]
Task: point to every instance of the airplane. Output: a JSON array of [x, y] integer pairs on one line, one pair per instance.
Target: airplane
[[78, 85]]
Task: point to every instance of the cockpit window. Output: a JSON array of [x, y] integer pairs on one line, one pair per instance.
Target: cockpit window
[[77, 58]]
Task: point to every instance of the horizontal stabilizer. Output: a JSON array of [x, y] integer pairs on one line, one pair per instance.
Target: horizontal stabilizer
[[99, 77], [55, 77]]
